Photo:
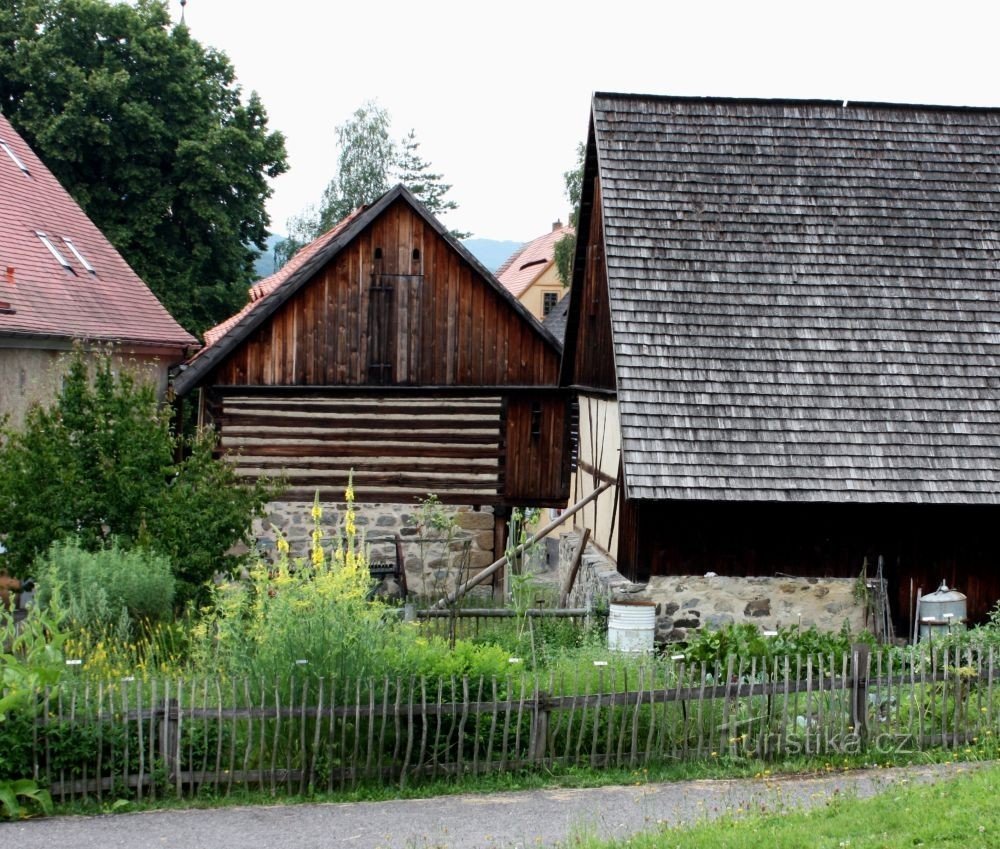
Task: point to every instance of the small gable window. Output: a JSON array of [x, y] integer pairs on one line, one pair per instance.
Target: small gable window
[[73, 249], [549, 301], [54, 251]]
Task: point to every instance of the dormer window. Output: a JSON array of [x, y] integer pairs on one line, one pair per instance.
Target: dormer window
[[54, 251], [13, 156], [73, 249]]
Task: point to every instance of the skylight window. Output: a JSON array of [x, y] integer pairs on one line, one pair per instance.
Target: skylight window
[[54, 251], [73, 249], [13, 156]]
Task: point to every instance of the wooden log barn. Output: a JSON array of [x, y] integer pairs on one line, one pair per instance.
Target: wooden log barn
[[385, 348], [784, 333]]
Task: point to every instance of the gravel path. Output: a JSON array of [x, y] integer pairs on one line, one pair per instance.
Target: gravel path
[[541, 818]]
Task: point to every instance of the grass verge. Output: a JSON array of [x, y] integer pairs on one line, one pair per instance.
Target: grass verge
[[961, 811]]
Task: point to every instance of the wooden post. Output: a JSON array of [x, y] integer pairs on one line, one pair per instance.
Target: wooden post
[[540, 729], [500, 516], [167, 734], [574, 567], [860, 656]]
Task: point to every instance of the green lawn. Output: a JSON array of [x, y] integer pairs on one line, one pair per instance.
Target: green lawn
[[960, 812]]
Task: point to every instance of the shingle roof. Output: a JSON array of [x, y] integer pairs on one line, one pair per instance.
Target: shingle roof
[[555, 321], [43, 297], [528, 263], [804, 298]]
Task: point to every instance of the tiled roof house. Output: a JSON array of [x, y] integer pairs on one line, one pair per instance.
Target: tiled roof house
[[785, 334], [530, 273], [61, 280]]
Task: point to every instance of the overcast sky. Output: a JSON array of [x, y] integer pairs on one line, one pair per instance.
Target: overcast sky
[[499, 93]]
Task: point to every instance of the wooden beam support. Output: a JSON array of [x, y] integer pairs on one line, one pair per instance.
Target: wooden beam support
[[475, 580]]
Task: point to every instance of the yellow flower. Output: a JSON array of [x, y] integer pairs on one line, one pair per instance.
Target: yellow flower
[[282, 545]]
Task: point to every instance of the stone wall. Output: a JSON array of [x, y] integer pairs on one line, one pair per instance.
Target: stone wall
[[434, 563], [686, 603]]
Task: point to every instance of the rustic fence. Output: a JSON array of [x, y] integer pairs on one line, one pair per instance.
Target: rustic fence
[[302, 734], [477, 622]]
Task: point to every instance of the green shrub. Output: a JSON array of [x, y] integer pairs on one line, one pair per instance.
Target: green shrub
[[99, 464], [313, 609], [110, 590]]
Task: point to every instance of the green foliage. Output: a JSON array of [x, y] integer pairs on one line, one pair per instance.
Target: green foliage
[[31, 659], [434, 657], [99, 465], [106, 590], [747, 641], [413, 171], [565, 248], [367, 156], [368, 165], [23, 798], [149, 132], [313, 610]]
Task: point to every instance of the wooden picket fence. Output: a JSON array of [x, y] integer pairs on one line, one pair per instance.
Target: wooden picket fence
[[181, 737]]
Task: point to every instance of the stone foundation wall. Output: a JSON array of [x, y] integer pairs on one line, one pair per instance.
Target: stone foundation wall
[[434, 564], [686, 603]]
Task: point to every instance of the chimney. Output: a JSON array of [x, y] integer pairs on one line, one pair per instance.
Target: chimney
[[10, 274], [556, 225]]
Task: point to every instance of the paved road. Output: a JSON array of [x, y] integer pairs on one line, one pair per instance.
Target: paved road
[[498, 821]]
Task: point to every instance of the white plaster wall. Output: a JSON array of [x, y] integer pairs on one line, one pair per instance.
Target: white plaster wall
[[600, 448], [34, 375]]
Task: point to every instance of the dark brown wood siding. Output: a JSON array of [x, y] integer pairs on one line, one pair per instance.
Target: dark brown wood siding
[[538, 450], [594, 362], [925, 543], [398, 306]]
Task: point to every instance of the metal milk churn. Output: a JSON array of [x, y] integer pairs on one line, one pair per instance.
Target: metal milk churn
[[940, 611]]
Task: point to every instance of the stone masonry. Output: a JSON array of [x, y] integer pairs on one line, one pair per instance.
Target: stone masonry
[[688, 602], [435, 560]]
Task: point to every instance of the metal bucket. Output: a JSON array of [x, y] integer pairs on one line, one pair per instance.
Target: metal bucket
[[631, 626]]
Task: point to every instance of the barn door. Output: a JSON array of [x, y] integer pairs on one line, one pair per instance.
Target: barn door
[[381, 330]]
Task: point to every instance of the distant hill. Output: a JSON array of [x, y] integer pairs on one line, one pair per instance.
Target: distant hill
[[264, 266], [491, 252]]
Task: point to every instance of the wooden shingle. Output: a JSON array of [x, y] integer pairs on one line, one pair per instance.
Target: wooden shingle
[[804, 298]]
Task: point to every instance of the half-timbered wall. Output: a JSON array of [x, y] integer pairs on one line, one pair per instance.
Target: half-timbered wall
[[397, 306], [599, 462]]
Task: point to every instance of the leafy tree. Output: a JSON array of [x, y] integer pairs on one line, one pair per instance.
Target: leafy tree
[[565, 249], [99, 465], [368, 165], [149, 132], [367, 157], [413, 171]]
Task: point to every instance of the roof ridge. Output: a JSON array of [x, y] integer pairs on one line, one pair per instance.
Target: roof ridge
[[791, 101]]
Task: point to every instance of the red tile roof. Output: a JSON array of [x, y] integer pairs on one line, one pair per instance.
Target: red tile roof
[[527, 264], [41, 297], [262, 288]]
